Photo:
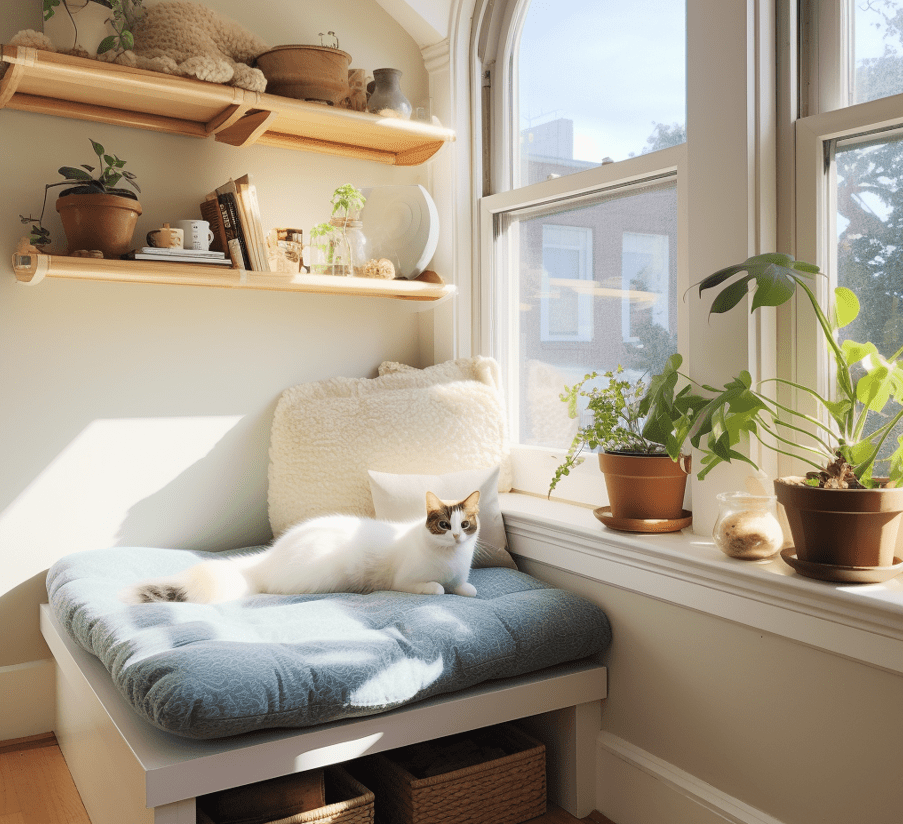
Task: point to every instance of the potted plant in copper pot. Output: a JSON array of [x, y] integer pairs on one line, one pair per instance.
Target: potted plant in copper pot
[[640, 430], [845, 513], [96, 213]]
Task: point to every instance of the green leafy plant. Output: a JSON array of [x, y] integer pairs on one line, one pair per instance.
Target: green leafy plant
[[322, 236], [843, 445], [125, 16], [347, 201], [110, 171], [632, 417]]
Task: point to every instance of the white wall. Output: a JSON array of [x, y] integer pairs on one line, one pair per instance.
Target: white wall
[[140, 414], [707, 720]]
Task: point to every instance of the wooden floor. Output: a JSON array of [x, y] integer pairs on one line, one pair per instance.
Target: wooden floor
[[36, 788]]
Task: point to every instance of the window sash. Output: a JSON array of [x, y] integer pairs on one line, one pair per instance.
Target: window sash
[[531, 466]]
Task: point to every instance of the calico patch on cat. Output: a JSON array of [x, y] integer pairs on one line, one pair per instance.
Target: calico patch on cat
[[339, 553]]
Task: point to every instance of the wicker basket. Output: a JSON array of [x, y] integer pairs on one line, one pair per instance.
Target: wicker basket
[[350, 802], [505, 790]]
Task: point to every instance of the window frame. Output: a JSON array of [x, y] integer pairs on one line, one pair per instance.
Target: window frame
[[531, 468], [813, 173]]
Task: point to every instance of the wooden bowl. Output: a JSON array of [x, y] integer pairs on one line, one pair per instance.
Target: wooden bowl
[[317, 73]]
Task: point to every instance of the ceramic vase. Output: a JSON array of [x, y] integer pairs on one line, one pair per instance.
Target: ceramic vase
[[316, 73], [386, 98]]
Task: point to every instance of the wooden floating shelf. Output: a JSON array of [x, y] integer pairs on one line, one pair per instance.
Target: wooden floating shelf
[[33, 268], [77, 87]]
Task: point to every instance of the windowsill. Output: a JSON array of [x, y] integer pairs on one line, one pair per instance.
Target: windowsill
[[859, 621]]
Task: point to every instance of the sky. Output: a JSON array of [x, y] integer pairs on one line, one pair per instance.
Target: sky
[[615, 84]]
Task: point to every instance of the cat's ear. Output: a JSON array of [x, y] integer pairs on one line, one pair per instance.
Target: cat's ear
[[470, 503], [433, 503]]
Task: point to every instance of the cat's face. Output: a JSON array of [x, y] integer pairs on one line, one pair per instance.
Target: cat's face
[[452, 522]]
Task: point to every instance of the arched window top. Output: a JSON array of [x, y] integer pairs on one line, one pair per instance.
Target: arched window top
[[594, 81]]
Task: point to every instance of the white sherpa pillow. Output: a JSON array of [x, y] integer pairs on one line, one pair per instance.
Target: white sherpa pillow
[[327, 434], [403, 497]]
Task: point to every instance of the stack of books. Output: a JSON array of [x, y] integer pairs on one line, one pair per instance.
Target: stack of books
[[233, 212], [211, 258]]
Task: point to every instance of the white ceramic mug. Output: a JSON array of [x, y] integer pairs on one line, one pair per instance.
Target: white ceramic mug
[[165, 238], [197, 233]]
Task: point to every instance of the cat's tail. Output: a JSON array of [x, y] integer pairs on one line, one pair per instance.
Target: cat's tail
[[210, 582]]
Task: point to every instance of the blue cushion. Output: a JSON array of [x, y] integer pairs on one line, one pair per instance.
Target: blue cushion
[[207, 671]]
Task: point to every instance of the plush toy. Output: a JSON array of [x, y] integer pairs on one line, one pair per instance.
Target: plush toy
[[191, 40]]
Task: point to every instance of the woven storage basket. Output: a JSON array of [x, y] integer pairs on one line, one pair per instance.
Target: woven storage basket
[[350, 802], [506, 790]]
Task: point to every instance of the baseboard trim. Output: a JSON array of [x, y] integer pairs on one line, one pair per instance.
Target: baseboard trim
[[624, 767]]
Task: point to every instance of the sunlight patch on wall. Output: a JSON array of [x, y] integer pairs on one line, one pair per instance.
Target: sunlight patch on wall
[[83, 497]]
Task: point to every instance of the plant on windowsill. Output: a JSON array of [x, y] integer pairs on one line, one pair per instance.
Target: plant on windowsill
[[641, 430], [96, 213], [841, 444]]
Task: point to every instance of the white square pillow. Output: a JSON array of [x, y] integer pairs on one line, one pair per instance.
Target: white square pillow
[[403, 497], [327, 434]]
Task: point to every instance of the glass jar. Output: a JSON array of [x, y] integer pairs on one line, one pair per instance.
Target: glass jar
[[747, 526], [343, 252]]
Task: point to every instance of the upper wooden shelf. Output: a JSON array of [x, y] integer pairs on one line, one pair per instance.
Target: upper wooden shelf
[[32, 268], [66, 86]]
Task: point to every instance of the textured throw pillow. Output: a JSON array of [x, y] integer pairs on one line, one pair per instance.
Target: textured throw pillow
[[327, 434], [403, 497]]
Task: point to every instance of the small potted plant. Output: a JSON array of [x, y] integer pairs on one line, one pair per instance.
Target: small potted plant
[[341, 243], [106, 25], [641, 430], [96, 214], [842, 516]]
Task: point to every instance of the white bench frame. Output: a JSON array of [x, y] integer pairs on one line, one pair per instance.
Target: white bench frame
[[128, 771]]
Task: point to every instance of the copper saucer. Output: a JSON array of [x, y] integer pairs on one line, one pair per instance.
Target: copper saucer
[[842, 574], [603, 513]]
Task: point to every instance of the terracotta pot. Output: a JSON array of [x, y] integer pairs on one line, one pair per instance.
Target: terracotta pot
[[99, 221], [317, 73], [842, 527], [644, 486]]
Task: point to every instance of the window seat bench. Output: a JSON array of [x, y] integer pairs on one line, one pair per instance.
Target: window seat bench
[[127, 770]]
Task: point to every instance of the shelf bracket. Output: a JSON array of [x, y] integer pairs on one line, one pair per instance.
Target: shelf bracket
[[247, 129], [29, 265], [14, 74]]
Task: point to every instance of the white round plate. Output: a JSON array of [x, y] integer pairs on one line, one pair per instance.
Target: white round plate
[[402, 224]]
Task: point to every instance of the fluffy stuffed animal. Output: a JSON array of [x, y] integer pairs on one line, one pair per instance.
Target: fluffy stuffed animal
[[191, 40]]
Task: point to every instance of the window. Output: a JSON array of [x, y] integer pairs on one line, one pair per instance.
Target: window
[[583, 101], [850, 183], [580, 233], [567, 266]]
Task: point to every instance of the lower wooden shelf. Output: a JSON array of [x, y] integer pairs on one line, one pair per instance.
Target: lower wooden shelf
[[32, 268]]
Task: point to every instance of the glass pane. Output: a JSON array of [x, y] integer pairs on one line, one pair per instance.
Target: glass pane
[[878, 49], [594, 286], [618, 93], [870, 245]]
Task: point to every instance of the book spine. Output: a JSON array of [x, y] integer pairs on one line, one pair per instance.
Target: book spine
[[232, 224], [210, 212]]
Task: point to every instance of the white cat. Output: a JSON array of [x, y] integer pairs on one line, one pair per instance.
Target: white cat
[[339, 553]]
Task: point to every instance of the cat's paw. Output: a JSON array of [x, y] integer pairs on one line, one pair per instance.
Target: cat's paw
[[466, 589], [431, 588]]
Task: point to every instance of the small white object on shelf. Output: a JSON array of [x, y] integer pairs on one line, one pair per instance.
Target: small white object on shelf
[[402, 225]]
